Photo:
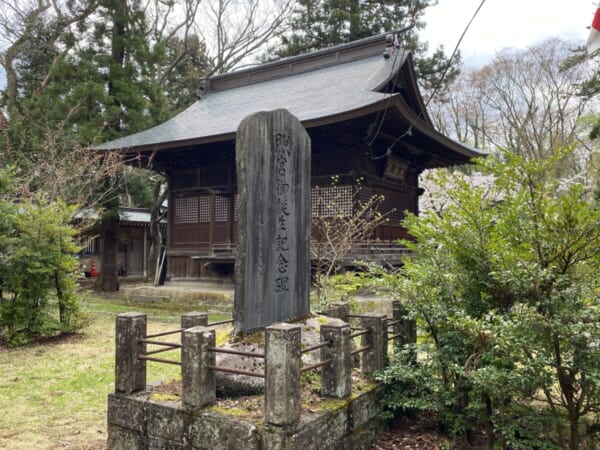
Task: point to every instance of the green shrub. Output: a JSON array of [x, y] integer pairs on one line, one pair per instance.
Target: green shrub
[[336, 288], [504, 284], [37, 269]]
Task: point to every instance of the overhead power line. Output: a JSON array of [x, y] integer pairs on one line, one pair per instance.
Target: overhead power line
[[408, 132]]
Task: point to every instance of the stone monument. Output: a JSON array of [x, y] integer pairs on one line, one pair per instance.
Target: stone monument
[[272, 270]]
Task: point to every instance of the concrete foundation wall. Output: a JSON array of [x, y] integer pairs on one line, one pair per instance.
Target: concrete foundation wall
[[137, 422]]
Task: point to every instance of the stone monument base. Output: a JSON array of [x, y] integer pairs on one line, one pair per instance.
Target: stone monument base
[[138, 421]]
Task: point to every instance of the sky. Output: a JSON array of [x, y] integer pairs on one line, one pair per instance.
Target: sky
[[505, 23], [499, 24]]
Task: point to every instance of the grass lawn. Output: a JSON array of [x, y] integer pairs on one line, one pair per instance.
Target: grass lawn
[[53, 395]]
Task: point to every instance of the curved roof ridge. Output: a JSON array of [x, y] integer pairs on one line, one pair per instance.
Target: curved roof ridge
[[294, 65]]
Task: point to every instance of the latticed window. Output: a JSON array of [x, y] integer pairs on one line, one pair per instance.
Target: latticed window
[[221, 208], [204, 208], [332, 201], [186, 210]]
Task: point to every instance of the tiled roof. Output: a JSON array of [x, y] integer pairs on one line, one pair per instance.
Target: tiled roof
[[325, 86], [314, 94]]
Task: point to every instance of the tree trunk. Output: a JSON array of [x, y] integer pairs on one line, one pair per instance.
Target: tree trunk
[[11, 89], [354, 20], [574, 431], [155, 232], [156, 237], [489, 424], [107, 279], [62, 314]]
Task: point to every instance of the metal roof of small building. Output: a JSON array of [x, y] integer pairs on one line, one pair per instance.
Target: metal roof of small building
[[313, 87], [126, 215]]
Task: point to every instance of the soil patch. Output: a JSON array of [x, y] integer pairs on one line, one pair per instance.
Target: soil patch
[[413, 433]]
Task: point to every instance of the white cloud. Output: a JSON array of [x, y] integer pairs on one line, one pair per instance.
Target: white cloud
[[505, 23]]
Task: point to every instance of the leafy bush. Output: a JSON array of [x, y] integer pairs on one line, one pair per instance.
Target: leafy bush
[[37, 266], [337, 288], [504, 284]]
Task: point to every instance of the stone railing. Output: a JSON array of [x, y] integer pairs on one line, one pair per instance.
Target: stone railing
[[132, 340], [283, 367], [283, 356]]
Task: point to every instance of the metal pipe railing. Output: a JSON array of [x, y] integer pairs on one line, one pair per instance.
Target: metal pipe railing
[[160, 350], [362, 332], [166, 344], [222, 322], [394, 336], [160, 360], [236, 352], [164, 333], [315, 365], [317, 346], [360, 350], [179, 330], [236, 371]]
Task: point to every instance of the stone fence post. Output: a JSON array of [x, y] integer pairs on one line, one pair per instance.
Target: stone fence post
[[194, 319], [130, 371], [282, 374], [338, 310], [336, 377], [374, 358], [198, 382], [406, 328]]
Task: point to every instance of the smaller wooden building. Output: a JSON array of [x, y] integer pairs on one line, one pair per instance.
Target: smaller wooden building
[[361, 106], [134, 242]]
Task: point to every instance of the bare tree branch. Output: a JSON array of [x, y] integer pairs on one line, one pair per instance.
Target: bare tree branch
[[234, 32]]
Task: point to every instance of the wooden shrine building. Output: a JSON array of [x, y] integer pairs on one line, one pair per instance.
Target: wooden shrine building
[[366, 119]]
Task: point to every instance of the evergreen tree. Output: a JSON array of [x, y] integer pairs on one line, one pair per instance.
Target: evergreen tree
[[87, 71], [590, 89], [319, 24], [97, 73], [133, 101], [37, 270], [96, 76], [187, 66]]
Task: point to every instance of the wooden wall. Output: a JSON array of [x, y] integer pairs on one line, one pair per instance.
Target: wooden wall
[[202, 199]]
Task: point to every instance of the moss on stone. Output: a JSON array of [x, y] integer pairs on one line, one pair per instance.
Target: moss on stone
[[330, 404], [333, 404], [301, 318], [249, 409], [222, 337], [163, 397], [253, 338], [364, 385], [229, 411]]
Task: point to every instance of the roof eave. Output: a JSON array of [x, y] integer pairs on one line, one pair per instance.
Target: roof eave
[[462, 152], [465, 152], [408, 69]]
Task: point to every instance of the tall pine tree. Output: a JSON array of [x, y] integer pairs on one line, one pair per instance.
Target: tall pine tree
[[318, 24], [94, 70]]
